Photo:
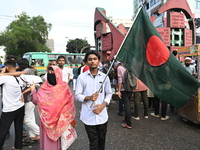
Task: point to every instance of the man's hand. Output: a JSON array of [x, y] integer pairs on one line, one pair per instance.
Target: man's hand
[[27, 90], [119, 94], [33, 86], [2, 74], [94, 96], [3, 70], [99, 108]]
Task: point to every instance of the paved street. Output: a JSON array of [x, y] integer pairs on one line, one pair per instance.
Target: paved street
[[146, 134]]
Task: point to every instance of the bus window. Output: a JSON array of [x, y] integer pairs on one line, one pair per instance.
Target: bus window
[[70, 60], [27, 57], [38, 62], [79, 59], [66, 58], [52, 57]]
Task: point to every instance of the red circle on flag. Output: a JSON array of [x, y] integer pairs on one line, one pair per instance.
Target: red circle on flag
[[156, 51]]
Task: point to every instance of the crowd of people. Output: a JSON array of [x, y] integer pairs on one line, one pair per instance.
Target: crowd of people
[[55, 101]]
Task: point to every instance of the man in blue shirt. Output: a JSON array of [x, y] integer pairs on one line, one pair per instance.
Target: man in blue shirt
[[75, 72]]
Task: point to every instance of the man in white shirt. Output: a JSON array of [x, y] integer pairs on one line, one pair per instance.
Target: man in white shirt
[[93, 112], [13, 106], [29, 117], [66, 72], [189, 67]]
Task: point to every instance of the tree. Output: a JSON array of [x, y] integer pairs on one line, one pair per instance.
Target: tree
[[75, 46], [25, 34], [0, 59]]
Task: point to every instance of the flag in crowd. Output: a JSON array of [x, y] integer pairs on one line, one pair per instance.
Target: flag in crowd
[[144, 53]]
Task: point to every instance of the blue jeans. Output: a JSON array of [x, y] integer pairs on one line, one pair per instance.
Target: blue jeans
[[121, 105], [70, 83]]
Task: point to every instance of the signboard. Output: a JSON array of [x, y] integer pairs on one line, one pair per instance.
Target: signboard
[[176, 20], [107, 42], [98, 30], [172, 48], [165, 34], [193, 50], [187, 37]]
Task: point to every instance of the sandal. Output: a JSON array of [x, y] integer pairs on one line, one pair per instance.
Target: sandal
[[124, 125], [15, 148], [29, 142], [25, 134]]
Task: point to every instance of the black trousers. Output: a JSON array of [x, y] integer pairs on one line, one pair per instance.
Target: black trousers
[[126, 96], [5, 122], [97, 136], [157, 107]]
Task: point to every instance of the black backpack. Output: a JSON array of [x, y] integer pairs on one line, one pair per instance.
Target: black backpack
[[130, 81]]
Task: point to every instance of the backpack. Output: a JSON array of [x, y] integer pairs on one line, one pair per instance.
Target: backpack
[[130, 81], [111, 72]]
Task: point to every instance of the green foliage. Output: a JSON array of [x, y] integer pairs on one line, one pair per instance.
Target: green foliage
[[75, 46], [0, 59], [25, 34]]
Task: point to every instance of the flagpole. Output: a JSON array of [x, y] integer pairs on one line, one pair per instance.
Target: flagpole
[[118, 51], [129, 30]]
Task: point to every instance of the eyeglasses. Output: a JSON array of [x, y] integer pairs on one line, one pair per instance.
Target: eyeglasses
[[53, 64]]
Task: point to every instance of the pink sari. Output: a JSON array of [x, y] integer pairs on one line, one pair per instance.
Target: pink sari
[[56, 106]]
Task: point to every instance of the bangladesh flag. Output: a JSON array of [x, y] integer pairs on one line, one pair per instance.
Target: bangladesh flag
[[144, 53]]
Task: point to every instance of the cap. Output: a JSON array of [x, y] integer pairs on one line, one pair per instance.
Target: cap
[[188, 58], [116, 63]]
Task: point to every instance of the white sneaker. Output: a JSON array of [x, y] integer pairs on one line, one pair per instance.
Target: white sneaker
[[153, 114], [166, 117], [136, 118]]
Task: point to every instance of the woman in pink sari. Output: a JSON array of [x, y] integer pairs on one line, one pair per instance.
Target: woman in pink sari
[[55, 107]]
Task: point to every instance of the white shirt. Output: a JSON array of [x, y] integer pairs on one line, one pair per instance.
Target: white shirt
[[86, 86], [190, 68], [11, 93], [66, 74]]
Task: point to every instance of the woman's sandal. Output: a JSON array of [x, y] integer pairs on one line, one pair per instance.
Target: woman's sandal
[[124, 125]]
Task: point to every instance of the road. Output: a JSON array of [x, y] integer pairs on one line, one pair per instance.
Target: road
[[146, 134]]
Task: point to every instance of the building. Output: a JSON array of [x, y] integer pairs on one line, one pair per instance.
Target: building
[[176, 24], [126, 22], [152, 7], [195, 8], [109, 33], [50, 44]]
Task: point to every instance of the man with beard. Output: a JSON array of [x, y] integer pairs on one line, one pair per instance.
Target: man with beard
[[189, 67], [66, 72]]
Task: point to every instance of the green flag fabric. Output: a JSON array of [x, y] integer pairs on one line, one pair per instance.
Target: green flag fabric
[[144, 53]]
